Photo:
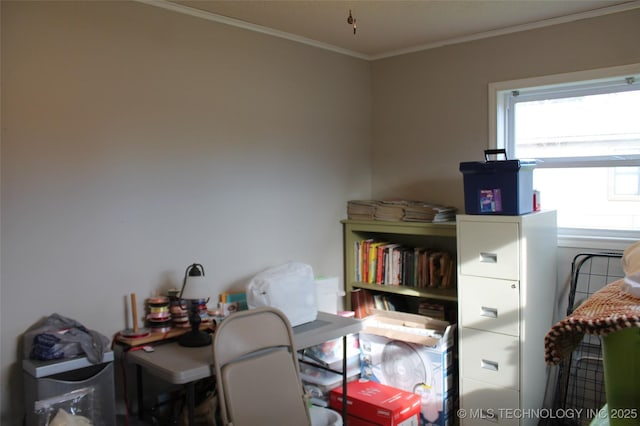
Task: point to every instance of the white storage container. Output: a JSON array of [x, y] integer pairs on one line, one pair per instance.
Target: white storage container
[[47, 379], [319, 382], [329, 294]]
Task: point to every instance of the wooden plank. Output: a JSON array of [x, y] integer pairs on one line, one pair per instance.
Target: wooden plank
[[157, 336]]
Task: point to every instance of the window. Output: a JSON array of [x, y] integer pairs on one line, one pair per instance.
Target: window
[[584, 131], [624, 183]]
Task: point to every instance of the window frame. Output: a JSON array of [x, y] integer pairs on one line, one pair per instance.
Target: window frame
[[613, 175], [498, 135], [620, 84]]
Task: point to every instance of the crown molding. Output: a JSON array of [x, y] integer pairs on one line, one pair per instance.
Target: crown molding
[[515, 29], [299, 39], [248, 26]]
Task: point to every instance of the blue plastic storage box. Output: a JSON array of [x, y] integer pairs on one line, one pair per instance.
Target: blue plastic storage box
[[501, 187]]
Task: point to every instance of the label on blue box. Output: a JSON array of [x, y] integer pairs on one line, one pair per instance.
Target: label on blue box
[[490, 200]]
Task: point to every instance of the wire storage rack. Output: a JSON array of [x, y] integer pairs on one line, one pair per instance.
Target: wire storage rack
[[580, 383]]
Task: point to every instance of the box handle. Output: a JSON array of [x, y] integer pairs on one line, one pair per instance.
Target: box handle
[[496, 152]]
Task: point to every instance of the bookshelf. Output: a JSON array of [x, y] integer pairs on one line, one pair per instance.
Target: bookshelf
[[438, 236]]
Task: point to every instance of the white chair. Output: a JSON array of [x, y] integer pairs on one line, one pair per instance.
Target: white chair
[[257, 370]]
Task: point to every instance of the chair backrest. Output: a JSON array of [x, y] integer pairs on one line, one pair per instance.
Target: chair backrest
[[257, 370]]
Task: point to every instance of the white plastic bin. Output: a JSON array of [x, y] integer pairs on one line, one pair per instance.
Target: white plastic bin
[[46, 379], [329, 294]]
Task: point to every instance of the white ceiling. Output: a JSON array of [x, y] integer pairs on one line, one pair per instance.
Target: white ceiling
[[390, 27]]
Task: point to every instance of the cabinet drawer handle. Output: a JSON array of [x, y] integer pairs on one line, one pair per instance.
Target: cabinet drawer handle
[[488, 257], [489, 365], [488, 312], [489, 415]]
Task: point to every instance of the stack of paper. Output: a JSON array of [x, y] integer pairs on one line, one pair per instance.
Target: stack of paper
[[418, 211], [361, 209], [399, 210], [390, 210]]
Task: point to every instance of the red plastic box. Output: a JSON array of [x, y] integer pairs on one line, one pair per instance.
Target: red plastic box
[[372, 403]]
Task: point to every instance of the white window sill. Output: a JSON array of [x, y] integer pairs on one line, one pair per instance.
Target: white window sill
[[594, 242]]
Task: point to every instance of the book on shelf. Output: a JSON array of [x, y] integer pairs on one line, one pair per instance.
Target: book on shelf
[[381, 262], [381, 302], [387, 272], [408, 267], [393, 264], [362, 254], [374, 257], [395, 267], [362, 302], [435, 273], [366, 302], [432, 310], [422, 266], [441, 268]]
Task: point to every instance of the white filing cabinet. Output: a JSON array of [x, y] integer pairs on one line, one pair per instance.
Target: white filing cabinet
[[506, 298]]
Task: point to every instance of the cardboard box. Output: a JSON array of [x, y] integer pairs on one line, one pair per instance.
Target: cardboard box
[[498, 187], [372, 403], [413, 353]]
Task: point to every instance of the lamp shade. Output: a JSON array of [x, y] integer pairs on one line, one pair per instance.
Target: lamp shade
[[195, 288], [195, 285]]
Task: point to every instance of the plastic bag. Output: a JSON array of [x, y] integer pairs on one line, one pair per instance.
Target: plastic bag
[[290, 288], [59, 337], [74, 408]]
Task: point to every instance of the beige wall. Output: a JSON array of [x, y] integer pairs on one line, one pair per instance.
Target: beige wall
[[430, 107], [136, 141]]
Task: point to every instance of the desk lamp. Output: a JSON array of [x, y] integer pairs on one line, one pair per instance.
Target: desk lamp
[[193, 289]]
